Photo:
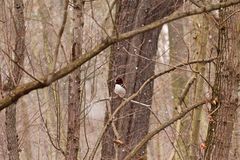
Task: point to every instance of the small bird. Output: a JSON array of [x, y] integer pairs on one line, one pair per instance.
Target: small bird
[[120, 88]]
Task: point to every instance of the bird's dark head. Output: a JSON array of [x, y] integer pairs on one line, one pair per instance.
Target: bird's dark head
[[119, 81]]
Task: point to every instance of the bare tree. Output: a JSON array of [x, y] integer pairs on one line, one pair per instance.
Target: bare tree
[[200, 50], [54, 59], [18, 60], [225, 89], [134, 61], [24, 89], [178, 51], [74, 90]]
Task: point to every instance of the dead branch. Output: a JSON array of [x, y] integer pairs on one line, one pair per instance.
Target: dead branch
[[160, 128], [24, 89], [129, 99], [60, 33]]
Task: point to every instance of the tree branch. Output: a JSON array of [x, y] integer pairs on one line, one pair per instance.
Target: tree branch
[[160, 128], [24, 89], [129, 99], [60, 33]]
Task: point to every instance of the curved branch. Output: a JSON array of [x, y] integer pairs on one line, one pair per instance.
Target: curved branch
[[160, 128], [107, 124], [24, 89]]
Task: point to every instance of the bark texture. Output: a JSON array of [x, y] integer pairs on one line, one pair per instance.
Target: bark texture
[[225, 93], [178, 52], [200, 42], [134, 61], [47, 80], [11, 131], [74, 100], [50, 93]]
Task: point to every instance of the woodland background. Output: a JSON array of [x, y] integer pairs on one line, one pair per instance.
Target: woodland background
[[179, 61]]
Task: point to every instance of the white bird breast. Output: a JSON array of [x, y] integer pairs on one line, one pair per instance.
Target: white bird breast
[[119, 90]]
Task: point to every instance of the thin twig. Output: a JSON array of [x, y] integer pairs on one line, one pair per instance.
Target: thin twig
[[30, 86], [160, 128], [156, 117], [20, 67], [46, 127], [128, 100], [110, 7], [181, 100], [60, 33]]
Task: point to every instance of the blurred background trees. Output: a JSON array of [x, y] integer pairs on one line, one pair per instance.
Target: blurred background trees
[[58, 65]]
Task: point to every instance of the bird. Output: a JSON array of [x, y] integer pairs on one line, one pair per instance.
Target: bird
[[120, 88]]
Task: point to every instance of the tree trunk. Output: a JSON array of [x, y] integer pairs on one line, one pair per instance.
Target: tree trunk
[[74, 97], [11, 131], [49, 36], [28, 154], [200, 42], [235, 147], [178, 52], [134, 61], [50, 93], [225, 93]]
